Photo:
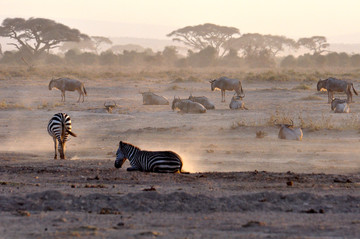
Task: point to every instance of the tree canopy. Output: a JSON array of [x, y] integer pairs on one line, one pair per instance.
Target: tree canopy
[[316, 44], [251, 44], [202, 36], [90, 44], [37, 35]]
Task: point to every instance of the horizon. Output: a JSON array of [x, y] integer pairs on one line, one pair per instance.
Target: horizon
[[154, 19]]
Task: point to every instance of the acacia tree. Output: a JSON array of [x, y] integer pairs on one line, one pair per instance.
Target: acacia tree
[[98, 40], [90, 44], [316, 44], [252, 44], [84, 45], [38, 35], [202, 36]]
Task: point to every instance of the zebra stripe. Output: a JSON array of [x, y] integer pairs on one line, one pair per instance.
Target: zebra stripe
[[59, 128], [148, 161]]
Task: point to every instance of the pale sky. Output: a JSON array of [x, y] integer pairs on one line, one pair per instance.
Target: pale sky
[[339, 21]]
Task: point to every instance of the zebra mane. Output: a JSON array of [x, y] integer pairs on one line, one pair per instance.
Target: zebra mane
[[122, 144]]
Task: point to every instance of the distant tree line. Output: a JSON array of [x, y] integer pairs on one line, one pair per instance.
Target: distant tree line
[[210, 45]]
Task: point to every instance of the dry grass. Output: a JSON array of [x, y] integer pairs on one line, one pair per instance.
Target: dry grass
[[8, 106], [311, 97], [304, 121], [302, 86], [173, 74], [46, 105]]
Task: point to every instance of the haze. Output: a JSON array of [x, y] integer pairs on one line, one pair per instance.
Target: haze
[[154, 19]]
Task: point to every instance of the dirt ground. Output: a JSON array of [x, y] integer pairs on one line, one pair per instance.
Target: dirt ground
[[240, 186]]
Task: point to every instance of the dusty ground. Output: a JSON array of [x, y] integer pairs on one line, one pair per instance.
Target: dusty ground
[[239, 186]]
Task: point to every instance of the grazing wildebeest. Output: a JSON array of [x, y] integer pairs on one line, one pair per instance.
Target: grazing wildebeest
[[148, 161], [59, 128], [66, 84], [287, 131], [237, 103], [335, 85], [203, 100], [224, 83], [187, 106], [150, 98], [340, 106]]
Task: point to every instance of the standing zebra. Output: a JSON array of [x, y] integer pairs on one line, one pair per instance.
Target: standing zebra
[[59, 128], [148, 161]]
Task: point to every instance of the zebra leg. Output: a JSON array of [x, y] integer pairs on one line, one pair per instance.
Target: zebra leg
[[64, 148], [160, 170], [61, 150], [133, 169], [56, 145]]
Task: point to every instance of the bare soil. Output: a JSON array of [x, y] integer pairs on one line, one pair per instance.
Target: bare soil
[[240, 186]]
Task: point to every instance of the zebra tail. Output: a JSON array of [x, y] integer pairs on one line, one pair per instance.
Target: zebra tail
[[184, 172], [354, 89], [69, 131]]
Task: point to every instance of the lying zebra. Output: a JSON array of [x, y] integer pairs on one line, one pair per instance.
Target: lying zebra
[[148, 161]]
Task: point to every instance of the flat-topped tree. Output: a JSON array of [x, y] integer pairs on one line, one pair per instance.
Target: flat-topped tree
[[316, 44], [38, 35], [202, 36]]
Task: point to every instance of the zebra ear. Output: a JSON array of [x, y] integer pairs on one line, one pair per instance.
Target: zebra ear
[[121, 144]]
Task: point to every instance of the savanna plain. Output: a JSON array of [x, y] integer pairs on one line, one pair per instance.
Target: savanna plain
[[239, 186]]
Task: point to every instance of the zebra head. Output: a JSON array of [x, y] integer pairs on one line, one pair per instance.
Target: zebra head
[[120, 157]]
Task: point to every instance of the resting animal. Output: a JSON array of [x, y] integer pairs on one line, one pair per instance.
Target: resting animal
[[148, 161], [150, 98], [187, 106], [237, 103], [287, 131], [340, 106], [203, 100]]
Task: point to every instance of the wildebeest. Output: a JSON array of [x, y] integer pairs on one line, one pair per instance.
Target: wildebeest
[[148, 161], [340, 106], [224, 83], [150, 98], [187, 106], [109, 106], [287, 131], [66, 84], [237, 103], [335, 85], [203, 100]]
